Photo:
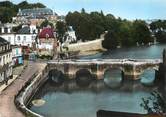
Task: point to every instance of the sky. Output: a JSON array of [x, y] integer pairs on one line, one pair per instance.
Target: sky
[[128, 9]]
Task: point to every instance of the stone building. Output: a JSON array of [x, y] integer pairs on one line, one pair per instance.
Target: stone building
[[5, 60], [37, 15]]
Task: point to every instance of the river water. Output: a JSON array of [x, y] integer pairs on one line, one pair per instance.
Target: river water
[[108, 94]]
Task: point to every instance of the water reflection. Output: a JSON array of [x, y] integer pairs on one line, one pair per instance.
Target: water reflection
[[148, 77], [113, 78], [64, 101]]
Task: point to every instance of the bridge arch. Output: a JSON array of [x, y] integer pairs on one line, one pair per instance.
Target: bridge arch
[[56, 76], [113, 77], [148, 76], [83, 77]]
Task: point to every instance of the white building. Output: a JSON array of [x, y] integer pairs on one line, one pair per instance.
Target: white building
[[24, 37], [5, 60], [7, 34]]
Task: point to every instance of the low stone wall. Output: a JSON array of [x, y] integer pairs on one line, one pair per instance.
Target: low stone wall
[[86, 48], [27, 92]]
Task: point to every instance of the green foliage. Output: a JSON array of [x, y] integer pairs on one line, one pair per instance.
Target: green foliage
[[9, 10], [87, 26], [141, 33], [46, 23], [16, 29], [110, 40], [123, 32], [154, 104], [159, 30], [61, 29]]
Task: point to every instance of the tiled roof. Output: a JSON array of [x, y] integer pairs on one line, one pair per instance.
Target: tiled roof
[[46, 33]]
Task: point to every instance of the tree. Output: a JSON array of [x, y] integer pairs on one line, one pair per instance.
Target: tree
[[159, 30], [110, 40], [125, 34], [141, 32], [9, 10], [161, 36], [154, 104], [61, 29], [46, 23]]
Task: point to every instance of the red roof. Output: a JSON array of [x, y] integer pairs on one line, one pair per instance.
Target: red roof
[[46, 33]]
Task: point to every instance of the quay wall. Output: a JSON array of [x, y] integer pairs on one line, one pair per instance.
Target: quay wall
[[27, 92], [86, 48]]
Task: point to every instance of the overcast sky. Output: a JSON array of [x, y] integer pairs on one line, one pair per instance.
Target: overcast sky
[[129, 9]]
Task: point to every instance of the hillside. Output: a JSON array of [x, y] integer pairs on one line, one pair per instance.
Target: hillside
[[9, 9]]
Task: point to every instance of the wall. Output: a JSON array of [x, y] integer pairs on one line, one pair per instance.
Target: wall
[[28, 91], [86, 46], [25, 39]]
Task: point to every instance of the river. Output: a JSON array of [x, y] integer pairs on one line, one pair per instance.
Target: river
[[109, 94]]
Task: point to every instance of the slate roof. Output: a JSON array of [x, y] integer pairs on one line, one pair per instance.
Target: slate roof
[[24, 30], [36, 12]]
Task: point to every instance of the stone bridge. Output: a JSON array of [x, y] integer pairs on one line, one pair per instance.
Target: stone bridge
[[131, 68]]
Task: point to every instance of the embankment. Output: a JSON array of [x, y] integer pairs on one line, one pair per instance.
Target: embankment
[[27, 92]]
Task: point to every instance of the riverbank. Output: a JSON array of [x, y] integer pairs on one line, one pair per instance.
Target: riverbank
[[7, 97]]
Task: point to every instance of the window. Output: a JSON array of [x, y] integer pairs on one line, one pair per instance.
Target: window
[[18, 38], [24, 38]]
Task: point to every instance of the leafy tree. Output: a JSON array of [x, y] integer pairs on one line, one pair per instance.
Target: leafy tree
[[9, 10], [46, 23], [141, 32], [110, 40], [161, 36], [154, 104], [5, 14], [126, 34], [61, 29], [16, 29], [159, 30]]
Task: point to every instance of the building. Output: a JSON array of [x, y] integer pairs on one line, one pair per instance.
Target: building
[[17, 55], [37, 15], [7, 33], [46, 42], [5, 60], [26, 36]]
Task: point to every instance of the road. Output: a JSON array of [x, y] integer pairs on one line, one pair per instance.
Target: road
[[7, 106]]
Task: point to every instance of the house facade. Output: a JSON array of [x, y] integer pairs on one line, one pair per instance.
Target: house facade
[[17, 55], [5, 60], [46, 42], [24, 37]]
